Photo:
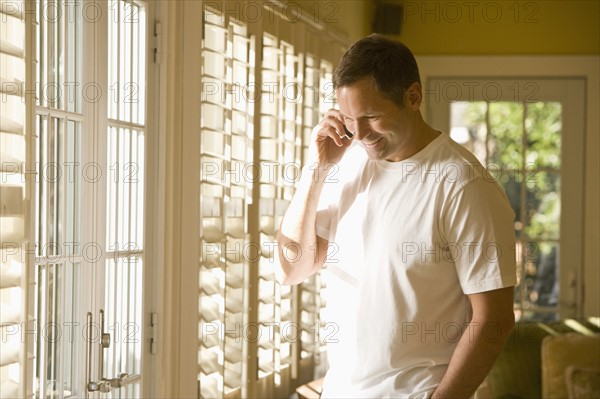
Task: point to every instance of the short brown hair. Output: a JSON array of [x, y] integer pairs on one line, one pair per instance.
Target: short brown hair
[[390, 65]]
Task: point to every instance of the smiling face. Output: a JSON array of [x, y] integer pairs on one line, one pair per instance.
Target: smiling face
[[383, 128]]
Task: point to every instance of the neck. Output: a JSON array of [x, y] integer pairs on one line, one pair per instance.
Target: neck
[[425, 135], [421, 135]]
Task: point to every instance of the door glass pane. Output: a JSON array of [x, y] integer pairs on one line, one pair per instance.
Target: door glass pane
[[57, 327], [544, 127], [505, 134], [469, 128], [519, 143], [538, 290], [125, 202], [543, 206], [123, 321], [125, 190]]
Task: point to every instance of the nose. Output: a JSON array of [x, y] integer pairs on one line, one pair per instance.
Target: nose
[[360, 129]]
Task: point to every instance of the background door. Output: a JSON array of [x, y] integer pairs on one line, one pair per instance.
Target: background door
[[529, 134]]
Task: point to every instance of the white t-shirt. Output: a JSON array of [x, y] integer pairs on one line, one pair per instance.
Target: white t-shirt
[[408, 241]]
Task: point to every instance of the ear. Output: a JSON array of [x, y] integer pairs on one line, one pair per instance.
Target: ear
[[414, 96]]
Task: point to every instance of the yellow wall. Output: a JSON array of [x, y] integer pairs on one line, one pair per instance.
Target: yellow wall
[[478, 27]]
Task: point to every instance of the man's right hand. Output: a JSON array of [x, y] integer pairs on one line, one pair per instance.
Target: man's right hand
[[328, 140]]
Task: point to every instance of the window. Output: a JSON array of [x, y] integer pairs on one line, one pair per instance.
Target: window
[[263, 88], [225, 145]]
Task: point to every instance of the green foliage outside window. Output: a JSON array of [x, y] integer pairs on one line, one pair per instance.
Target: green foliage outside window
[[520, 144]]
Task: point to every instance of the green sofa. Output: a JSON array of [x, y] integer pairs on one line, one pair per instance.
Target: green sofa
[[517, 373]]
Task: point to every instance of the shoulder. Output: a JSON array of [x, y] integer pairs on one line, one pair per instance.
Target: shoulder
[[456, 165], [463, 182]]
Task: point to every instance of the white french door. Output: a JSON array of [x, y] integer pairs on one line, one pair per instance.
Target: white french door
[[529, 133], [93, 82]]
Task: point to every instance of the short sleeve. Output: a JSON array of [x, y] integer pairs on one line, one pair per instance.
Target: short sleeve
[[478, 227]]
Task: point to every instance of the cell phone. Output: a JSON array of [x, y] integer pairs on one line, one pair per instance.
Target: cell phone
[[348, 133]]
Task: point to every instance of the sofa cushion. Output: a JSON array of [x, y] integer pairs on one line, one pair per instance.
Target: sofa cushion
[[561, 351], [583, 383], [517, 371]]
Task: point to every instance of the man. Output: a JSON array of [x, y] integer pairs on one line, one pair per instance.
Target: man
[[422, 263]]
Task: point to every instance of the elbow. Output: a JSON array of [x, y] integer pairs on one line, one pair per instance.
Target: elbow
[[294, 262], [287, 272], [282, 272], [291, 268], [285, 279]]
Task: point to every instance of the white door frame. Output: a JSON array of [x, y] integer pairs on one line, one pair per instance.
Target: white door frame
[[586, 67]]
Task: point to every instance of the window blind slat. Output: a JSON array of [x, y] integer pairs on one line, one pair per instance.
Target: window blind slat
[[10, 274], [12, 229], [9, 315], [9, 389], [9, 353], [12, 8], [9, 48], [11, 201], [11, 87], [10, 164], [9, 126]]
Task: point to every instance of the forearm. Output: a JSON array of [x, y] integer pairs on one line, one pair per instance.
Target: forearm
[[472, 359], [297, 235]]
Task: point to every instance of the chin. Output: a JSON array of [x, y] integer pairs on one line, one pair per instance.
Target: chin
[[375, 153]]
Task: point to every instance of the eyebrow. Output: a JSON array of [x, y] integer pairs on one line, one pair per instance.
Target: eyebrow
[[367, 115]]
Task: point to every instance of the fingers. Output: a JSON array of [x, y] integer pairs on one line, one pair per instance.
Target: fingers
[[333, 134], [348, 133], [334, 119], [332, 126]]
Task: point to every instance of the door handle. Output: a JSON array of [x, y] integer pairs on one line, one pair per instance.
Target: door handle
[[103, 384], [124, 379]]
